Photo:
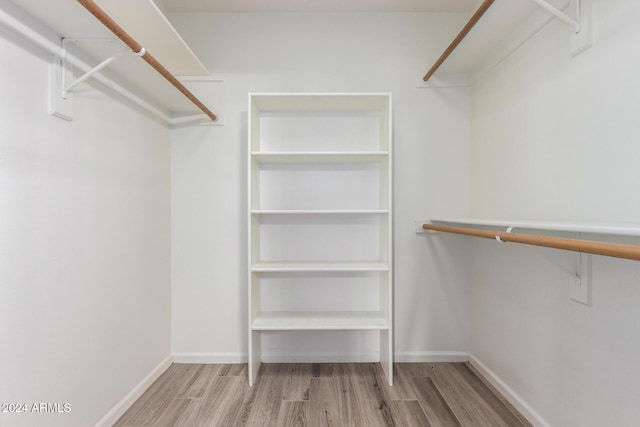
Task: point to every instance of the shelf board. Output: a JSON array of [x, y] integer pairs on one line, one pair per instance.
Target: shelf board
[[573, 227], [320, 320], [320, 102], [317, 266], [320, 156], [319, 212]]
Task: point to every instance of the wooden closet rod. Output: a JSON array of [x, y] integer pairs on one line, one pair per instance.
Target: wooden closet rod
[[461, 35], [116, 29], [586, 246]]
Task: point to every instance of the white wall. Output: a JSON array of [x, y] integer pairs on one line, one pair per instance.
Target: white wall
[[556, 138], [316, 53], [84, 247]]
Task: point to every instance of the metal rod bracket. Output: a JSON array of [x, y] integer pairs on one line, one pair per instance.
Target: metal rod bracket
[[508, 230]]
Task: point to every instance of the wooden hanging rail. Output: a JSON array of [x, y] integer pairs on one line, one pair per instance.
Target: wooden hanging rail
[[586, 246], [116, 29], [461, 35]]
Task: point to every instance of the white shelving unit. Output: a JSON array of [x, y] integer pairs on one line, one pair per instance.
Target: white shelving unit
[[320, 217]]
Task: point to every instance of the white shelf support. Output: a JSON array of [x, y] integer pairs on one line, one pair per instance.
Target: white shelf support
[[195, 120], [580, 283], [91, 72], [444, 80], [560, 14], [60, 100], [582, 36], [582, 39]]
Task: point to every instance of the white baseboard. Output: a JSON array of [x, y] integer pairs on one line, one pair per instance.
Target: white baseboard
[[321, 358], [276, 357], [121, 407], [514, 398], [210, 358], [430, 356], [400, 357]]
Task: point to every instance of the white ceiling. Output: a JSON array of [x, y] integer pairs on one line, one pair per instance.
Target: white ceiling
[[176, 6]]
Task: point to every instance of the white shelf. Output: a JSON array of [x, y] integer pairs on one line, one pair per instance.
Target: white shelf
[[317, 266], [320, 212], [320, 320], [296, 103], [573, 227], [320, 156]]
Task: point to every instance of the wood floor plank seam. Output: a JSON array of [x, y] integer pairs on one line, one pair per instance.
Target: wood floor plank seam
[[438, 411]]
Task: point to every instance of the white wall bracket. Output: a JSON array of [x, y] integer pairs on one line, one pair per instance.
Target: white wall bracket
[[67, 89], [560, 14], [581, 22], [195, 120], [417, 226], [60, 91], [580, 283], [59, 106], [582, 39], [444, 80]]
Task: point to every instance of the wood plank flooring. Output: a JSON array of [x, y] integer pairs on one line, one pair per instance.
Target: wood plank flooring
[[340, 394]]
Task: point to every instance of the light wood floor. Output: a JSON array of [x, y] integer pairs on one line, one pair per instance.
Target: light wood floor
[[340, 394]]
